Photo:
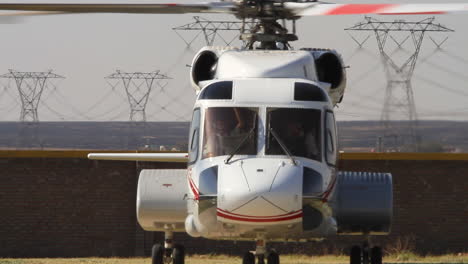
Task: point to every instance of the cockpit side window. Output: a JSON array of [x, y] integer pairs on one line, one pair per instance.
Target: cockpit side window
[[330, 138], [217, 91], [308, 92], [194, 136], [229, 128], [298, 129]]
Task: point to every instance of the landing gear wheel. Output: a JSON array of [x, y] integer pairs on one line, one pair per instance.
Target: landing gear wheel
[[355, 255], [157, 254], [376, 255], [273, 258], [261, 259], [365, 255], [248, 258], [178, 254]]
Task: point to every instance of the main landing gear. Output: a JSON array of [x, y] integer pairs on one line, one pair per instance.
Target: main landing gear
[[169, 253], [261, 254], [365, 255]]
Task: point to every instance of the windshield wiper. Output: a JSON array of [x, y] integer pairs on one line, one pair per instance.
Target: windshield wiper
[[249, 134], [282, 145]]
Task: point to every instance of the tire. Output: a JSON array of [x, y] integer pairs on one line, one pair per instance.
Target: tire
[[355, 255], [376, 255], [248, 258], [273, 258], [261, 259], [178, 254], [157, 254], [365, 256]]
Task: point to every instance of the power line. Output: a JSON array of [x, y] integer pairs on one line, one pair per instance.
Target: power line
[[441, 86]]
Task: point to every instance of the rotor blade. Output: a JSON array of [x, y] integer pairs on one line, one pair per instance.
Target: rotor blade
[[133, 8], [156, 157], [324, 9], [18, 17]]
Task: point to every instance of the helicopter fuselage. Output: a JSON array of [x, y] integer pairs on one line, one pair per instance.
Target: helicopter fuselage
[[263, 191], [237, 198]]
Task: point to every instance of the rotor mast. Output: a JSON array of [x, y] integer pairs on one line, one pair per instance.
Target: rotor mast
[[268, 32]]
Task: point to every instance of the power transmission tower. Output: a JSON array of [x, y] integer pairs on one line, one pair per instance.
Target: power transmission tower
[[399, 97], [211, 29], [30, 86], [138, 86]]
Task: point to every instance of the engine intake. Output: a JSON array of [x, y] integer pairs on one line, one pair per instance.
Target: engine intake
[[329, 69], [204, 66]]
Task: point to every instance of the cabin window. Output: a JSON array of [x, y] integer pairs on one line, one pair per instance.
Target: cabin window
[[297, 129], [330, 138], [194, 136], [230, 130], [308, 92], [217, 91]]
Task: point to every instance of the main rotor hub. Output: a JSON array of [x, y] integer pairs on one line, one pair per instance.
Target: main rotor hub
[[261, 9], [268, 32]]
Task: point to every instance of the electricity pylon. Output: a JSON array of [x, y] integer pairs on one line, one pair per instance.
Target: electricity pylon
[[30, 87], [399, 96], [138, 86]]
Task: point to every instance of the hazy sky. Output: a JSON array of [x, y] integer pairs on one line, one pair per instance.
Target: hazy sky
[[86, 48]]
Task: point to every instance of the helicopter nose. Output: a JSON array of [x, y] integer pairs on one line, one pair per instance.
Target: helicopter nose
[[261, 191]]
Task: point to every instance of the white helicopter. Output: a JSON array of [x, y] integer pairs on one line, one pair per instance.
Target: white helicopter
[[262, 149]]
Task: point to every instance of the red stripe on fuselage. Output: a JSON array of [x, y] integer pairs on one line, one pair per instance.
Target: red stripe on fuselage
[[417, 13], [254, 216], [258, 220], [328, 191], [358, 9], [194, 189]]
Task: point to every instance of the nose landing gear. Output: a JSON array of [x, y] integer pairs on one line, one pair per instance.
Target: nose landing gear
[[169, 253], [365, 255], [249, 258], [272, 257]]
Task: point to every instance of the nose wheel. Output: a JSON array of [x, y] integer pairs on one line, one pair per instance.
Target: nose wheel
[[249, 258], [273, 258], [261, 254], [169, 253], [365, 255]]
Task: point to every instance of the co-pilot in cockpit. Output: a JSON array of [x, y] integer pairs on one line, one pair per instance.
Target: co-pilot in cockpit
[[230, 130], [297, 129]]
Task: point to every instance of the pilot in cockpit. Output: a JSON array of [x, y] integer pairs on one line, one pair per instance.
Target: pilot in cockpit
[[225, 129]]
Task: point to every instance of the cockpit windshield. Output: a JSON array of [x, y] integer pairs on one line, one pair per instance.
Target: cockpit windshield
[[230, 130], [297, 129]]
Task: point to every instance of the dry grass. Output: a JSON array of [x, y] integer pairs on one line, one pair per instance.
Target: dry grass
[[402, 257]]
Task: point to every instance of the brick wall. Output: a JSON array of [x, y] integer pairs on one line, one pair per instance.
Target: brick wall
[[66, 207], [73, 207]]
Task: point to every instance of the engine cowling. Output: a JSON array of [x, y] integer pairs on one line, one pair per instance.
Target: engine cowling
[[204, 65], [330, 69]]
